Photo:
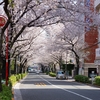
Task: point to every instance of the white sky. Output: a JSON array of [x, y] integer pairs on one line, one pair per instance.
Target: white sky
[[1, 9]]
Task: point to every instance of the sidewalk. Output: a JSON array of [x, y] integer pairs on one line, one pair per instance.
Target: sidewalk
[[16, 91], [89, 84]]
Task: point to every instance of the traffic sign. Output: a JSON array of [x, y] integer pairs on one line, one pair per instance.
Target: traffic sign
[[2, 21]]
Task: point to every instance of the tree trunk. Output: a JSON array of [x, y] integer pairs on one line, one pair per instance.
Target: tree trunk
[[4, 69], [20, 68], [60, 62], [0, 73], [77, 63], [15, 69], [54, 68], [1, 37]]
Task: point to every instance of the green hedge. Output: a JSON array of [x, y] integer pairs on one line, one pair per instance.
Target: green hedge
[[6, 93], [52, 74], [14, 78], [47, 72], [97, 80], [23, 75], [81, 78]]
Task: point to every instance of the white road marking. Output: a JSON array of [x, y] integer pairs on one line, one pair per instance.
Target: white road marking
[[67, 90]]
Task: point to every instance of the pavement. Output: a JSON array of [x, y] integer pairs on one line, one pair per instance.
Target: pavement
[[90, 84], [16, 94]]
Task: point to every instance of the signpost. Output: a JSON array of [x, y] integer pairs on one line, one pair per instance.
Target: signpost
[[3, 21], [92, 75]]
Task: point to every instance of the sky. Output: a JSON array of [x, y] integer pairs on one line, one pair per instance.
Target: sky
[[0, 0], [1, 9]]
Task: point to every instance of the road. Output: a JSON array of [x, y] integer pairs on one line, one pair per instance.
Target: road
[[44, 87]]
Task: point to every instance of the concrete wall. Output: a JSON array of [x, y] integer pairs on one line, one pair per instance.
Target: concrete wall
[[99, 70], [88, 65]]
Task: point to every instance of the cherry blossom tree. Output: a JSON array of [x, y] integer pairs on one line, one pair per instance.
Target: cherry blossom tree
[[39, 13], [65, 40], [27, 13]]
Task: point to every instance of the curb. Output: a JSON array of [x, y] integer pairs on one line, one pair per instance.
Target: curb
[[12, 94], [93, 85]]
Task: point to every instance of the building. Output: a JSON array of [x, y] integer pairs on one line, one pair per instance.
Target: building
[[97, 51], [91, 38]]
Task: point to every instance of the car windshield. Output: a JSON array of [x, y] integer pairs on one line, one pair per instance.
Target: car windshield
[[60, 72]]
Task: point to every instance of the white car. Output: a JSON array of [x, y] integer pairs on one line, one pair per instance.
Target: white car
[[60, 75], [31, 69], [38, 71]]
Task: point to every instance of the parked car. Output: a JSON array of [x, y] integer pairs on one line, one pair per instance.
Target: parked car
[[60, 75]]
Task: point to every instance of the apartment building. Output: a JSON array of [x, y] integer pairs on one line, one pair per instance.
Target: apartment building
[[91, 38], [97, 51]]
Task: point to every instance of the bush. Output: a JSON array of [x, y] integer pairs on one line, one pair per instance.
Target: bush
[[14, 78], [20, 76], [6, 93], [97, 80], [81, 78], [47, 72], [52, 74], [17, 77], [23, 75]]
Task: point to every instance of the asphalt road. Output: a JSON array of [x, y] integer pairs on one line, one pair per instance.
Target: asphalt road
[[44, 87]]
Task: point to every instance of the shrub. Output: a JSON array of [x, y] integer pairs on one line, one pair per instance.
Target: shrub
[[81, 78], [97, 80], [6, 93], [12, 79], [20, 77], [23, 75], [52, 74], [47, 72], [17, 77]]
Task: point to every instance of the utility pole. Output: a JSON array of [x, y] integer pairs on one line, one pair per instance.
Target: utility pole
[[7, 57], [3, 21]]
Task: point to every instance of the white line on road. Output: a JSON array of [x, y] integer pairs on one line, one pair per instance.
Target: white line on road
[[66, 90]]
